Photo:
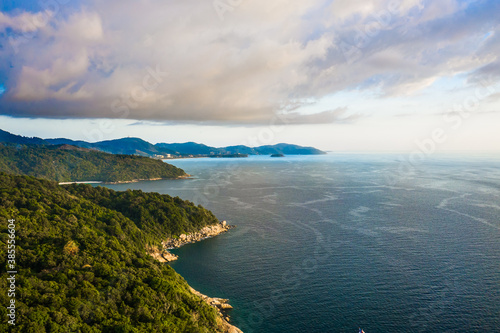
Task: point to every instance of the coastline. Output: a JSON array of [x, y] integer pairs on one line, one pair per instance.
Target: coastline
[[163, 255], [186, 176], [204, 233], [221, 305]]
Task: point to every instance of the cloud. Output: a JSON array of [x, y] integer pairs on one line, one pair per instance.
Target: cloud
[[338, 115], [24, 22], [178, 61]]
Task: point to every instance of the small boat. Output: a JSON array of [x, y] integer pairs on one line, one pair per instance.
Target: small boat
[[361, 331]]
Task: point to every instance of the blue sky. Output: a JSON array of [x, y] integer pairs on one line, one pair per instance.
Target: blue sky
[[339, 75]]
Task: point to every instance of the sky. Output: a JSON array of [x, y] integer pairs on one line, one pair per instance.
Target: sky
[[340, 75]]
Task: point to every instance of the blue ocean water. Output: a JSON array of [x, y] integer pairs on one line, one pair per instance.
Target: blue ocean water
[[337, 242]]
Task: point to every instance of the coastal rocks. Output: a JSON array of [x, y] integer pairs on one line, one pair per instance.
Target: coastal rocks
[[169, 256], [221, 305], [206, 232], [161, 255], [225, 306], [186, 176]]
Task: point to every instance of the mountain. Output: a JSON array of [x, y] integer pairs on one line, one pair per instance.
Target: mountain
[[137, 146], [241, 150], [81, 260], [70, 142], [69, 163], [190, 148], [131, 146], [12, 138], [288, 149], [127, 146]]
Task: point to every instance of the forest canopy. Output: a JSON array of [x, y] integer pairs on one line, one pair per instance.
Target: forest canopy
[[82, 264], [65, 163]]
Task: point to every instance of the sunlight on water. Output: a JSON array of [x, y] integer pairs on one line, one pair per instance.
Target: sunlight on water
[[332, 243]]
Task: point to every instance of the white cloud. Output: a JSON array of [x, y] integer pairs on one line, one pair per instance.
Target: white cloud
[[263, 57], [25, 22]]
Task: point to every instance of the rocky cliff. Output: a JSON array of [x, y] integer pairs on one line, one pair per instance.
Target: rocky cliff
[[206, 232], [221, 305], [163, 255]]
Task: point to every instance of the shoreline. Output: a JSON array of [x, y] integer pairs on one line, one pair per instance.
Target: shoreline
[[186, 176], [221, 305], [163, 255], [204, 233]]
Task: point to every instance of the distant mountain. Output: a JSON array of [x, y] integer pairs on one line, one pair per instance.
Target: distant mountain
[[131, 146], [288, 149], [12, 138], [127, 146], [70, 142], [190, 148], [241, 150], [136, 146]]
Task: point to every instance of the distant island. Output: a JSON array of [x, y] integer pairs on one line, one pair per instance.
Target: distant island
[[277, 155], [136, 146], [65, 163]]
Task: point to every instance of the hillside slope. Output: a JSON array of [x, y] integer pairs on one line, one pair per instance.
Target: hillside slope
[[82, 267], [67, 163]]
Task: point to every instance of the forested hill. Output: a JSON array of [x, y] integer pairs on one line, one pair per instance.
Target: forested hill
[[82, 264], [160, 216], [137, 146], [68, 163]]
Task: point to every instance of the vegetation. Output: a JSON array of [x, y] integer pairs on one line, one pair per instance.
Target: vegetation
[[157, 215], [137, 146], [68, 163], [82, 264]]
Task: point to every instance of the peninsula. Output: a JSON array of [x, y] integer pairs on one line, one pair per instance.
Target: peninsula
[[65, 163], [85, 266]]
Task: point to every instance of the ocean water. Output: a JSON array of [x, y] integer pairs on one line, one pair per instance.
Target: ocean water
[[337, 242]]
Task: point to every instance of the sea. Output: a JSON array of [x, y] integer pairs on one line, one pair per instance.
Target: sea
[[339, 242]]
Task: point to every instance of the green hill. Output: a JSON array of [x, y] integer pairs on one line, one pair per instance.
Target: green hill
[[82, 265], [66, 163], [137, 146]]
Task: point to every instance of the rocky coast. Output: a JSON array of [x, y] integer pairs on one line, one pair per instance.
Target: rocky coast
[[204, 233], [163, 255], [221, 305], [186, 176]]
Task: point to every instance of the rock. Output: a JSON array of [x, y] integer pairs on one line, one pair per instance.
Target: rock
[[206, 232], [169, 256], [233, 329], [225, 306], [160, 255], [222, 305]]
